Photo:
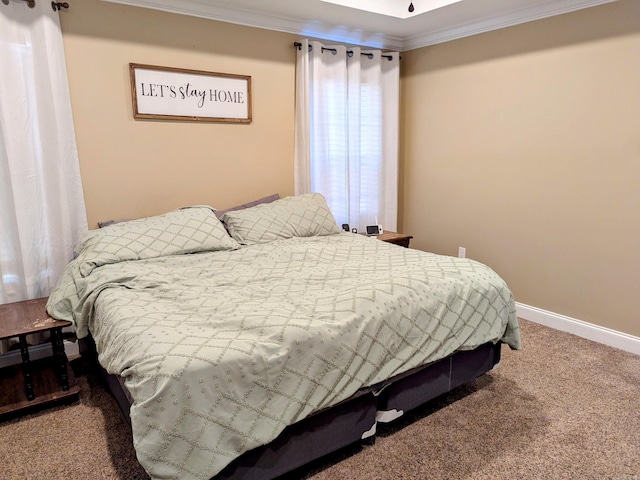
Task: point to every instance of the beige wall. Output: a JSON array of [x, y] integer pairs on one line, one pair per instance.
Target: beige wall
[[132, 168], [523, 145]]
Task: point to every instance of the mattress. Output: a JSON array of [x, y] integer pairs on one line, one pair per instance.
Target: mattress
[[221, 350]]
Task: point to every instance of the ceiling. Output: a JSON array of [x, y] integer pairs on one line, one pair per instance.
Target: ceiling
[[383, 24]]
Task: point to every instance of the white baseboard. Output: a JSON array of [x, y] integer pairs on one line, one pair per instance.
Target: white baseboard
[[37, 352], [599, 334]]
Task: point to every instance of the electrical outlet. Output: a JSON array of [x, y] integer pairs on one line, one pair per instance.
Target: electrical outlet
[[462, 252]]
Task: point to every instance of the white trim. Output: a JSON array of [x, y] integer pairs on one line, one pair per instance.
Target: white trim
[[270, 21], [503, 20], [334, 30], [37, 352], [599, 334]]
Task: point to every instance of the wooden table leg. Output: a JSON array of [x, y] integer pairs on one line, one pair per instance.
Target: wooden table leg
[[59, 357], [26, 368]]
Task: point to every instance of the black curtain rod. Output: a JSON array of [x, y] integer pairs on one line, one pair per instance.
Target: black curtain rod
[[59, 5], [32, 3], [349, 52]]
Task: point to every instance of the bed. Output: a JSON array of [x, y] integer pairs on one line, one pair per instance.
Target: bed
[[248, 351]]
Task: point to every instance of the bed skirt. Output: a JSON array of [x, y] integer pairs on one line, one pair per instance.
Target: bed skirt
[[351, 421]]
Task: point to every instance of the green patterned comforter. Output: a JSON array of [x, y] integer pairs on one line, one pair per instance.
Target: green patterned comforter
[[222, 350]]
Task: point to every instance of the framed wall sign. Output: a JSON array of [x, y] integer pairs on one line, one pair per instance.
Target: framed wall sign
[[165, 93]]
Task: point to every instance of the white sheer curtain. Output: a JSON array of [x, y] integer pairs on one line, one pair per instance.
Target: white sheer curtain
[[346, 131], [42, 211]]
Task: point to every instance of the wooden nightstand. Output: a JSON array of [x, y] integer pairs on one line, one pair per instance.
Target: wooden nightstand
[[396, 238], [39, 386]]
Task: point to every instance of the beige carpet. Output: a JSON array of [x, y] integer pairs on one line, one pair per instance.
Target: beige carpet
[[562, 408]]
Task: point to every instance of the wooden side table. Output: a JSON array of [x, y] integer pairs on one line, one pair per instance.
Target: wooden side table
[[44, 381], [396, 238]]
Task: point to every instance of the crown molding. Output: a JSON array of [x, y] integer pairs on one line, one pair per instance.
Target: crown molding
[[223, 14], [244, 17], [496, 22], [360, 36]]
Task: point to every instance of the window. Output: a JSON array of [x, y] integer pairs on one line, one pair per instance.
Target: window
[[347, 131]]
